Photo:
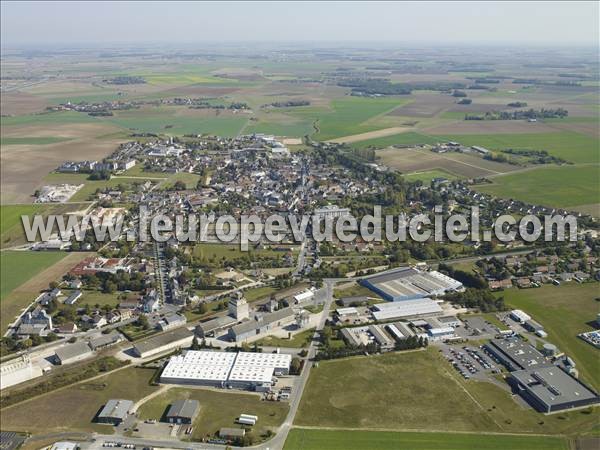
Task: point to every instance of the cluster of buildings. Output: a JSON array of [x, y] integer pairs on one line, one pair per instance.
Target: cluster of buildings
[[242, 370], [57, 193]]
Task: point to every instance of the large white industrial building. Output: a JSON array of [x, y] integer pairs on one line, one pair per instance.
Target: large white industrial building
[[406, 309], [243, 370]]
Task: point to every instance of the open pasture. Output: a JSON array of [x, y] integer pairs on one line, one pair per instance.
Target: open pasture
[[553, 186], [313, 439], [409, 160], [571, 146], [79, 404]]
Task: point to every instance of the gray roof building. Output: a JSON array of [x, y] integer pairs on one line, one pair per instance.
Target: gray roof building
[[115, 411], [105, 340], [176, 338], [72, 353], [261, 324], [516, 354], [183, 411], [232, 432], [214, 325], [549, 389]]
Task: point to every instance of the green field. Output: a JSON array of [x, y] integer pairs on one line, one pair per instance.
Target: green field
[[427, 395], [311, 439], [568, 145], [219, 409], [79, 404], [356, 393], [166, 120], [16, 267], [429, 175], [258, 293], [31, 140], [564, 311], [410, 138], [298, 340], [50, 118], [348, 115], [563, 187]]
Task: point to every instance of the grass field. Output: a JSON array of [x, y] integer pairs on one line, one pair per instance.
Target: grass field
[[219, 409], [79, 404], [18, 267], [564, 311], [168, 120], [299, 340], [348, 115], [311, 439], [258, 293], [50, 118], [410, 138], [427, 395], [571, 146], [349, 393], [26, 274], [429, 175], [563, 187], [30, 140]]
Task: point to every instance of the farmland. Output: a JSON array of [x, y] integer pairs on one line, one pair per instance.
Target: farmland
[[570, 146], [313, 439], [578, 186], [218, 409], [38, 270], [18, 267]]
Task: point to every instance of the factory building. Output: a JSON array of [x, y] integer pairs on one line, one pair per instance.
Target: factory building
[[177, 338], [214, 326], [71, 353], [243, 370], [261, 324], [183, 411], [549, 389], [115, 411], [422, 307], [519, 316], [408, 283], [516, 354]]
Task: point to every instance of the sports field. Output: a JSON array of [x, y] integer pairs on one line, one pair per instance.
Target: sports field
[[312, 439], [565, 311], [219, 409], [429, 175], [563, 187]]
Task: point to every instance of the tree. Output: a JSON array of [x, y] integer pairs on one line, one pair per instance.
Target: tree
[[295, 366], [195, 345], [202, 308], [143, 321]]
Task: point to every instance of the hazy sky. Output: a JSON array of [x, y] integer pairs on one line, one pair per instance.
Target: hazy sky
[[434, 22]]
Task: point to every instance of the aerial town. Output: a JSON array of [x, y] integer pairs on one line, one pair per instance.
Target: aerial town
[[299, 245]]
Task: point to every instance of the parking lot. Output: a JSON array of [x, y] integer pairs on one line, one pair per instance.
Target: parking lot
[[471, 362]]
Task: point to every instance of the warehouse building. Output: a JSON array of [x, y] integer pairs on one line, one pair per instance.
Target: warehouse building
[[243, 370], [400, 330], [548, 389], [370, 334], [214, 326], [422, 307], [516, 354], [261, 324], [177, 338], [183, 411], [115, 411], [408, 283], [72, 353], [519, 316]]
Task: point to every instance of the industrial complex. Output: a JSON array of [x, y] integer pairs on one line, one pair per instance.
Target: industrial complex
[[411, 283], [243, 370]]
